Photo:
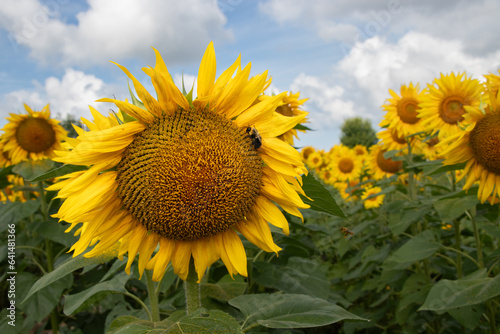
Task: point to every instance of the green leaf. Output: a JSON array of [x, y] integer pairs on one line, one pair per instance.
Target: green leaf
[[55, 231], [82, 300], [470, 290], [223, 291], [468, 316], [41, 303], [300, 276], [302, 127], [59, 171], [439, 168], [451, 208], [201, 322], [31, 169], [413, 250], [289, 311], [13, 212], [135, 101], [322, 199], [130, 325], [67, 268]]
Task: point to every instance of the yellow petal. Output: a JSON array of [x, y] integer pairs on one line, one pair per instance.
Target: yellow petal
[[206, 72]]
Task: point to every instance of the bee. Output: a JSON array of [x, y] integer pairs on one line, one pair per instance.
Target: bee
[[255, 136], [346, 231]]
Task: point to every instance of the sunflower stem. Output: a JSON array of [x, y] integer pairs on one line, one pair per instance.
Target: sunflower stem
[[479, 249], [54, 320], [192, 289], [492, 317], [458, 264], [153, 297]]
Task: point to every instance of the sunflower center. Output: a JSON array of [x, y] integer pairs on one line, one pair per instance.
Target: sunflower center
[[35, 134], [452, 109], [285, 110], [407, 110], [388, 165], [346, 165], [484, 141], [190, 175], [398, 139], [432, 142]]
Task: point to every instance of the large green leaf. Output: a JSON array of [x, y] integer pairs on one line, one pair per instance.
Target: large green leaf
[[300, 276], [80, 301], [223, 291], [67, 268], [413, 250], [31, 169], [321, 199], [289, 311], [13, 212], [201, 321], [470, 290], [451, 208]]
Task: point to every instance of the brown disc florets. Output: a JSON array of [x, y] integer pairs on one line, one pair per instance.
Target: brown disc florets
[[190, 175]]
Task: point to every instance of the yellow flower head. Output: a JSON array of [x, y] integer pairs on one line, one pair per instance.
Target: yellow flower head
[[443, 106], [32, 136], [185, 176], [371, 199], [378, 166], [290, 107], [478, 145], [402, 110], [345, 164]]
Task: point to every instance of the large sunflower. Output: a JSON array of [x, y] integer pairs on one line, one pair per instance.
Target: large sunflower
[[32, 136], [185, 176], [478, 145], [402, 110], [442, 106]]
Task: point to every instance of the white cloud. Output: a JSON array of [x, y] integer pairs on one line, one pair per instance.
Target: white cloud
[[359, 20], [114, 29], [327, 104], [72, 94], [377, 65]]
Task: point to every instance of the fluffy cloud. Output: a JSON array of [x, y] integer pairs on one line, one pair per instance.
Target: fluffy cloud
[[72, 94], [113, 28], [355, 21], [327, 104], [377, 65]]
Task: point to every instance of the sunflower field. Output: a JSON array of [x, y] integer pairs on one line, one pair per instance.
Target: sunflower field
[[196, 212]]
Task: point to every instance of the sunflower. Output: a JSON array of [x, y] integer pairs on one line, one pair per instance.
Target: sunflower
[[402, 110], [345, 164], [430, 149], [290, 107], [392, 141], [378, 166], [305, 151], [493, 81], [347, 189], [370, 197], [314, 160], [32, 136], [184, 176], [443, 105], [478, 145]]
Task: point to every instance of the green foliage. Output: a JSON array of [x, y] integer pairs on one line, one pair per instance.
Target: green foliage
[[357, 131]]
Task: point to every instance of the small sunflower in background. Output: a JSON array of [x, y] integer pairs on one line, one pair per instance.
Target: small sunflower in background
[[378, 166], [305, 151], [493, 82], [370, 197], [402, 110], [290, 107], [345, 164], [184, 175], [347, 189], [32, 136], [430, 149], [314, 160], [479, 145], [443, 105]]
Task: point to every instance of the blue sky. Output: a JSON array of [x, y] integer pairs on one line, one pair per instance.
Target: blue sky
[[343, 55]]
